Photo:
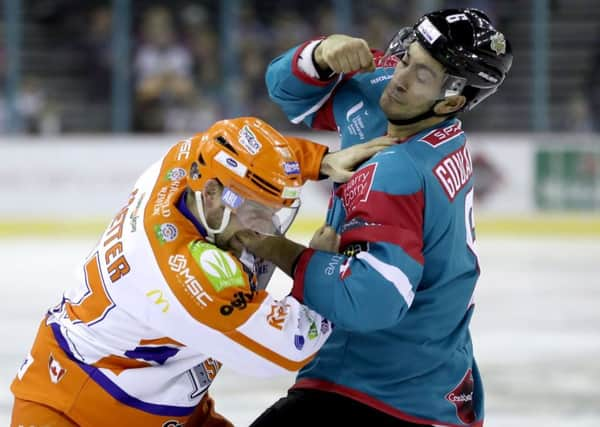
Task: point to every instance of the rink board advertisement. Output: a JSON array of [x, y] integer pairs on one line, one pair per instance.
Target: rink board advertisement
[[86, 178]]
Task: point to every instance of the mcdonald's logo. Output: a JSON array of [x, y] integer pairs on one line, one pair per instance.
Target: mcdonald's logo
[[159, 300]]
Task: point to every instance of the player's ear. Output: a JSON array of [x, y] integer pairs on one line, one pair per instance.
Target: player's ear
[[450, 104]]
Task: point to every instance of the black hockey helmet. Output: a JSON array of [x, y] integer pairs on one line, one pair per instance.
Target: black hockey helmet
[[476, 56]]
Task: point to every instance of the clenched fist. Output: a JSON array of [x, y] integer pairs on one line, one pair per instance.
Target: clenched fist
[[344, 54], [325, 239]]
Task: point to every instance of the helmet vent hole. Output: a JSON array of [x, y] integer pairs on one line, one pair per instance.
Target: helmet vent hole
[[264, 184], [221, 140]]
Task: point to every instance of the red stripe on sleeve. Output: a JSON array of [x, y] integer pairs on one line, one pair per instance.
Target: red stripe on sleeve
[[299, 271], [324, 118], [396, 219], [409, 240], [405, 211]]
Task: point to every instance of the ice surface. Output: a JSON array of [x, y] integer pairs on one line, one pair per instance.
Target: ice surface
[[536, 328]]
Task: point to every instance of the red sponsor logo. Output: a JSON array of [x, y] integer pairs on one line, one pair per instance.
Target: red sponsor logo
[[454, 171], [441, 136], [279, 313], [357, 190], [55, 369], [386, 61], [462, 398]]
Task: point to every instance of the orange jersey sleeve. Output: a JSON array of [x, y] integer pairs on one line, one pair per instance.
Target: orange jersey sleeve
[[309, 154]]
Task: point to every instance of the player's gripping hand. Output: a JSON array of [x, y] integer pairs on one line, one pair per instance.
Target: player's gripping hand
[[325, 239], [339, 165], [278, 249], [344, 54]]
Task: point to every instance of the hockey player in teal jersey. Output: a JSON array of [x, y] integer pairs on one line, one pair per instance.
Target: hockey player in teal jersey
[[398, 284]]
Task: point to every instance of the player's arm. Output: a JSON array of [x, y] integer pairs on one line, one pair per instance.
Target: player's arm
[[302, 81], [250, 331], [372, 283], [316, 162]]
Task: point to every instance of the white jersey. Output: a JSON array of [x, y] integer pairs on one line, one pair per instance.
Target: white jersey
[[160, 309]]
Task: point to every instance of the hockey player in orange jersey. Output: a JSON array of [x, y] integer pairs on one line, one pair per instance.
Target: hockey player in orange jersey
[[162, 303]]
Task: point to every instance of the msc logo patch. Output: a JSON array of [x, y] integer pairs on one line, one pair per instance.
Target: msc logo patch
[[219, 267], [178, 264]]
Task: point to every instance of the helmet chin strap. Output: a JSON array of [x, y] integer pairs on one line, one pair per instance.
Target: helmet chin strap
[[211, 232], [427, 114]]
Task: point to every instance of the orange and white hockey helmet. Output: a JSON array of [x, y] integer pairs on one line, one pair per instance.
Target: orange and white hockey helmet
[[257, 168]]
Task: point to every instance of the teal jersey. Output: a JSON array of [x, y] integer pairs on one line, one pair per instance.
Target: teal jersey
[[400, 293]]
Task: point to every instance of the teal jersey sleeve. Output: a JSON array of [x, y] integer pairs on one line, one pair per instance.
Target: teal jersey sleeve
[[303, 98]]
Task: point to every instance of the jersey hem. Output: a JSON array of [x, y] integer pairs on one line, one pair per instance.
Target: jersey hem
[[312, 383]]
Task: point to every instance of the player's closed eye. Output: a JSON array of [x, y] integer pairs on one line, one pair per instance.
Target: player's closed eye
[[423, 76]]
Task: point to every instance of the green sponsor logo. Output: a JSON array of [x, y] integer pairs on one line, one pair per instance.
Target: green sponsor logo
[[165, 232], [175, 174], [312, 331], [219, 267]]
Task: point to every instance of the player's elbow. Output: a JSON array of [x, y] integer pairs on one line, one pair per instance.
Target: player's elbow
[[272, 80], [372, 317]]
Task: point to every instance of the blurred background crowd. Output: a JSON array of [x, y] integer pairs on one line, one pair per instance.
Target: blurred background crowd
[[177, 66], [94, 91]]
